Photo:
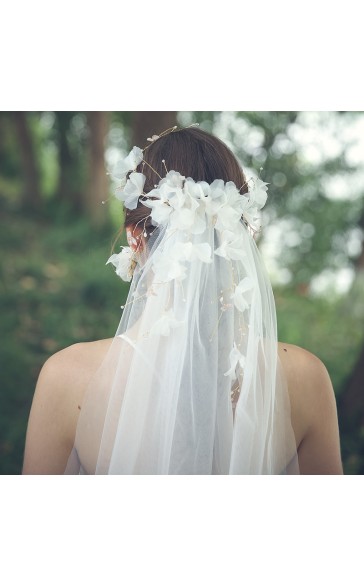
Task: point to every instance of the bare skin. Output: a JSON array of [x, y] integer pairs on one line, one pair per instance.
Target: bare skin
[[64, 377]]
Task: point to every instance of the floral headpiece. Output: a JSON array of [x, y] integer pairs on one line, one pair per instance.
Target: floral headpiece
[[184, 205], [187, 205]]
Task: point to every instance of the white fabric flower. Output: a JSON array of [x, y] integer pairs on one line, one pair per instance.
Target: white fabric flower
[[217, 190], [258, 194], [193, 189], [251, 215], [242, 294], [182, 219], [160, 211], [173, 179], [192, 252], [130, 163], [232, 246], [164, 325], [170, 189], [182, 216], [132, 190], [188, 213], [246, 204], [123, 262], [199, 222], [196, 201], [169, 265], [235, 357], [233, 195], [227, 218], [214, 196], [205, 187], [168, 268], [175, 196], [171, 198]]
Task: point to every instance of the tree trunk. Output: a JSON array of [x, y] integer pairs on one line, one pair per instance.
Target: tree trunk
[[69, 188], [98, 184], [145, 124], [31, 196]]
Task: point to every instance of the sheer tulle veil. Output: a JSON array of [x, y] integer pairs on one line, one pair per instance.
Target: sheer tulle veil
[[192, 382]]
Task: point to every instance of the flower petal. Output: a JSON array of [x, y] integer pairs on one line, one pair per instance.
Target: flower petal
[[192, 252], [231, 247], [164, 325], [132, 190], [160, 211], [235, 357], [243, 293], [130, 163], [258, 195], [168, 268], [122, 262]]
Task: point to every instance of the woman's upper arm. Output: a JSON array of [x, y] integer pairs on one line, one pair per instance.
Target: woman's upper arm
[[319, 451], [52, 419]]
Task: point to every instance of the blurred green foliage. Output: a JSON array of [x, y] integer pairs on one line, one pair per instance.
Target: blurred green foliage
[[55, 291]]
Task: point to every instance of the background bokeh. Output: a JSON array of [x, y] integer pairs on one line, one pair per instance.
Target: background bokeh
[[56, 236]]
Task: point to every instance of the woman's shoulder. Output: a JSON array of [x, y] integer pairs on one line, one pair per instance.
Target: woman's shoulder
[[56, 405], [304, 370], [80, 354], [313, 409], [68, 371], [296, 358], [307, 377]]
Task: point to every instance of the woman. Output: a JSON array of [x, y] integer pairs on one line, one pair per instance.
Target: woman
[[194, 381]]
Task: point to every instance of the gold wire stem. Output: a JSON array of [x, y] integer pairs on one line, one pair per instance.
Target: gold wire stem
[[163, 133], [246, 183], [145, 222], [133, 301], [169, 130], [152, 169], [216, 326], [144, 294]]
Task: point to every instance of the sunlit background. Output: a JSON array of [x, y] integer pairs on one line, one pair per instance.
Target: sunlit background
[[56, 235]]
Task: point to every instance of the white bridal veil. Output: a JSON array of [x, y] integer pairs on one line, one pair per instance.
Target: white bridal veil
[[191, 383]]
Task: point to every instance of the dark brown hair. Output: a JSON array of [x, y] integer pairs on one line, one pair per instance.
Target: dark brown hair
[[193, 153]]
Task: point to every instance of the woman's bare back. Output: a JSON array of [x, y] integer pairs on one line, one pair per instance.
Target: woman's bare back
[[65, 377]]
